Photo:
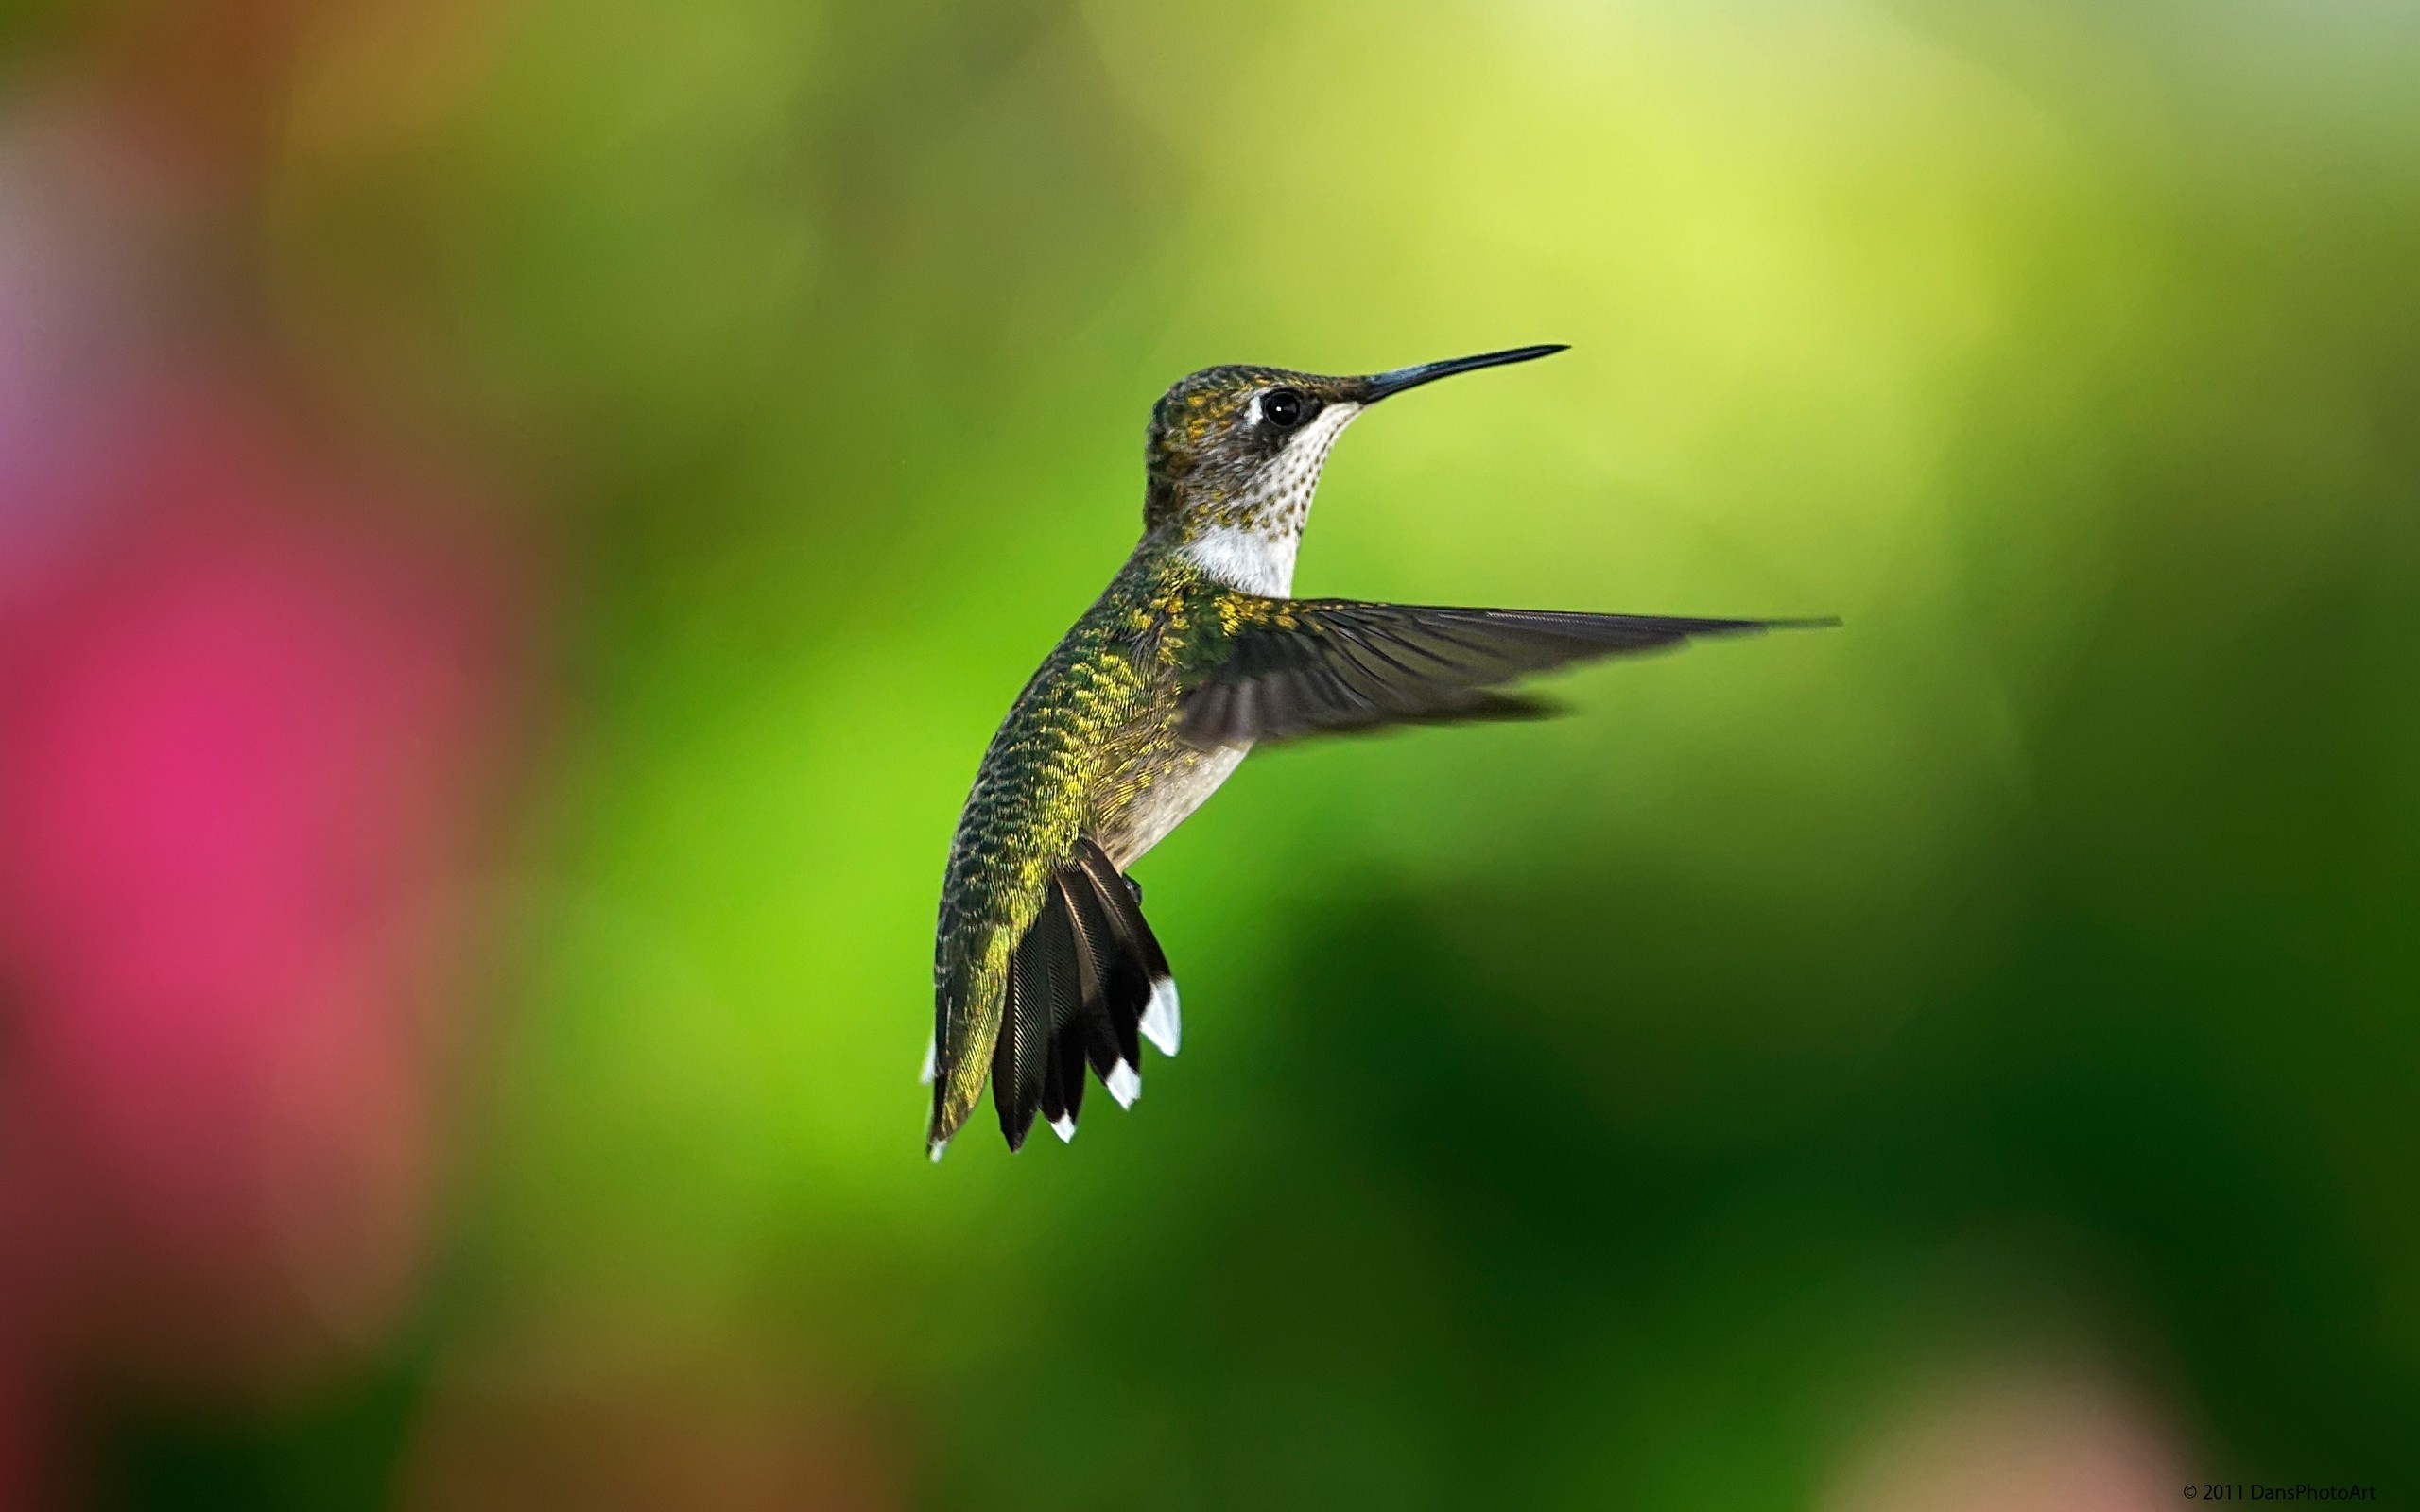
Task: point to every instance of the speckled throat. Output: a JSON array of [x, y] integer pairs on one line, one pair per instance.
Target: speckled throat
[[1247, 540]]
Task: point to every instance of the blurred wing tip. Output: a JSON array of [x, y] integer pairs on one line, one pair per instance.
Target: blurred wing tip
[[1162, 1023], [938, 1149], [1491, 705], [1125, 1084]]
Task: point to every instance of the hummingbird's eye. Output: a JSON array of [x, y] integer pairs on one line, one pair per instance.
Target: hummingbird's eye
[[1284, 408]]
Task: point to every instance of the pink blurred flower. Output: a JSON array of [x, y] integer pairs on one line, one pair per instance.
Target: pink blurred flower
[[252, 702], [237, 754], [2014, 1438]]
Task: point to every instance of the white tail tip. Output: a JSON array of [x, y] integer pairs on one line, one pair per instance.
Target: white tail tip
[[1125, 1084], [1162, 1024], [1065, 1126]]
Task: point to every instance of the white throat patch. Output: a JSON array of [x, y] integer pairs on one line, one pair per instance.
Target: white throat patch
[[1241, 557], [1257, 556]]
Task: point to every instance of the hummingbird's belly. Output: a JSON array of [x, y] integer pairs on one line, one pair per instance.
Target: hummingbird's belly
[[1157, 798]]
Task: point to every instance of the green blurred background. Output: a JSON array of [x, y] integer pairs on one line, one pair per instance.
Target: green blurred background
[[1962, 1060]]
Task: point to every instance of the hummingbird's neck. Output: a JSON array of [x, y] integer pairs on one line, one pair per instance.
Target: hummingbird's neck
[[1244, 558], [1245, 537]]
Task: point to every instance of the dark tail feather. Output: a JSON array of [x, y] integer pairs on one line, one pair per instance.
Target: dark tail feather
[[1086, 986], [1041, 990], [1122, 900], [1063, 1092], [1112, 996]]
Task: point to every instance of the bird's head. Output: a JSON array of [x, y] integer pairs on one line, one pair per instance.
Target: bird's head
[[1234, 454]]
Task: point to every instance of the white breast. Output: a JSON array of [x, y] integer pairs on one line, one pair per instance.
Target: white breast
[[1165, 805]]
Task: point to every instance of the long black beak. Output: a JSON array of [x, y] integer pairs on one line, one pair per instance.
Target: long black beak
[[1379, 384]]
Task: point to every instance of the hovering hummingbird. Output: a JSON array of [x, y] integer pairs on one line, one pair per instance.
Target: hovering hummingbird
[[1043, 965]]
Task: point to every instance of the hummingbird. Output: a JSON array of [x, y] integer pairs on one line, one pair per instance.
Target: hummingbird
[[1044, 967]]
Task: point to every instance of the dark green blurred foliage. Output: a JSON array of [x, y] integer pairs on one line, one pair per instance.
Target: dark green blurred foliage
[[340, 1451], [1628, 1111]]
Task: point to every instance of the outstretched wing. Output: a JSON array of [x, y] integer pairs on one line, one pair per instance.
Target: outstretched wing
[[1291, 667]]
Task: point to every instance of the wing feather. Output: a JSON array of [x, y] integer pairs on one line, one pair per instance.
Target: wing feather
[[1289, 668]]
